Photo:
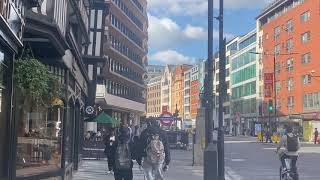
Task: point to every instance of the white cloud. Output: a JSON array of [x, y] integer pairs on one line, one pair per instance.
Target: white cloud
[[199, 7], [164, 33], [171, 57], [194, 32]]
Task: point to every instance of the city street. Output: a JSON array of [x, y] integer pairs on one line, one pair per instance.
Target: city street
[[248, 160], [245, 158]]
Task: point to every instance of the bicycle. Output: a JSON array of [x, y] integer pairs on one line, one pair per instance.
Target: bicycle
[[287, 174]]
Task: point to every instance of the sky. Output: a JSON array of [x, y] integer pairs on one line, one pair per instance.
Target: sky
[[178, 28]]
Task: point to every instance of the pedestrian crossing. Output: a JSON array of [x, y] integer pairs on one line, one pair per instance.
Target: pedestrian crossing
[[97, 170]]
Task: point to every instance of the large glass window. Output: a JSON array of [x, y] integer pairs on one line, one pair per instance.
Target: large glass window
[[243, 74], [5, 61], [39, 139]]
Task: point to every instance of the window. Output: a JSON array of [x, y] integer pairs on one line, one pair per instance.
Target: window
[[305, 58], [289, 26], [304, 17], [278, 68], [278, 86], [290, 84], [289, 46], [290, 101], [305, 37], [306, 79], [277, 50], [278, 105], [277, 32], [290, 64], [311, 101]]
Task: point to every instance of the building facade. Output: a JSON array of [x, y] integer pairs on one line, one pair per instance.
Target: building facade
[[153, 71], [226, 103], [245, 80], [154, 97], [166, 88], [44, 142], [187, 94], [288, 32], [121, 88], [177, 94], [11, 25], [194, 92]]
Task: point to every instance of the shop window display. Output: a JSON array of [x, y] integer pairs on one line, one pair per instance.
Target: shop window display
[[39, 140]]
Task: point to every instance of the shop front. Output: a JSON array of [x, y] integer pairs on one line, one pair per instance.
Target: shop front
[[10, 42]]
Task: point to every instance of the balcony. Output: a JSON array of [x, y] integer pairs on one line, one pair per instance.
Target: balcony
[[107, 100]]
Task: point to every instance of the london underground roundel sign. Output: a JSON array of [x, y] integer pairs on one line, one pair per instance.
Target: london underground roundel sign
[[166, 118]]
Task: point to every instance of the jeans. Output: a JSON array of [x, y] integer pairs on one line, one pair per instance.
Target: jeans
[[293, 164], [152, 171], [123, 174]]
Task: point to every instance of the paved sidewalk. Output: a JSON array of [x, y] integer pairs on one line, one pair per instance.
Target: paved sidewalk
[[180, 169], [97, 170]]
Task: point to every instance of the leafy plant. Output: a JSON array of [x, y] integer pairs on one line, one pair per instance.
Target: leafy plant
[[34, 80]]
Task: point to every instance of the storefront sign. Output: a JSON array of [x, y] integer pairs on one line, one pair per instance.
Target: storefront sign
[[89, 110], [268, 85]]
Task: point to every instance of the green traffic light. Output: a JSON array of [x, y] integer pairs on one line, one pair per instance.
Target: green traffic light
[[270, 108]]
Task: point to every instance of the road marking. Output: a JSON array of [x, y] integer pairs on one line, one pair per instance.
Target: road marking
[[231, 175]]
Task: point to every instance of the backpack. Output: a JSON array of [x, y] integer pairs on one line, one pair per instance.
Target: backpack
[[155, 150], [292, 143], [123, 157]]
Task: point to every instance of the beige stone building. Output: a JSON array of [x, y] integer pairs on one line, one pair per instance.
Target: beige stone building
[[154, 97]]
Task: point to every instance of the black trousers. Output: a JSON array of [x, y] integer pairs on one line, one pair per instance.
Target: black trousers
[[123, 174]]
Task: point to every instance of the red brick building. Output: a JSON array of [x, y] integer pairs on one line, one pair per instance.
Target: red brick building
[[289, 31]]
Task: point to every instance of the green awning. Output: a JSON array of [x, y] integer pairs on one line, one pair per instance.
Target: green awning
[[104, 118]]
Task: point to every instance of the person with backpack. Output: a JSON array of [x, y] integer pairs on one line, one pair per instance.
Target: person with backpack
[[123, 164], [154, 150], [290, 142]]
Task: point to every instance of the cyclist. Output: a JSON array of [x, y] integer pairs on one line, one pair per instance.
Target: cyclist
[[291, 144]]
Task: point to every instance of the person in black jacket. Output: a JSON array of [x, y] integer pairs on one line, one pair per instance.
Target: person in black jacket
[[110, 149], [153, 170]]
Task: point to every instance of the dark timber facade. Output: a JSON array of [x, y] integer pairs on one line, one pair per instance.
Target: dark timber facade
[[44, 143]]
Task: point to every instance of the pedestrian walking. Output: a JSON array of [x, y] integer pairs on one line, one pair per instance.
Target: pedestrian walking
[[316, 134], [154, 151], [268, 136], [123, 164], [110, 149]]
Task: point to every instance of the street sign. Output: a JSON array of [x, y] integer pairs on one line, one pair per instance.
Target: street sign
[[166, 119], [268, 85]]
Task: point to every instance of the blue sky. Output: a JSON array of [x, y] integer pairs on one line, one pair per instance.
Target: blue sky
[[178, 28]]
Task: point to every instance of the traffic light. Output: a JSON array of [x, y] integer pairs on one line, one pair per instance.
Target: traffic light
[[270, 106]]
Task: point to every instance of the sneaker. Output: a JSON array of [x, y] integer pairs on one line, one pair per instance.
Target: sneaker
[[109, 172]]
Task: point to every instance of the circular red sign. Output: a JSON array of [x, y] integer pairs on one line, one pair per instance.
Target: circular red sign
[[166, 119]]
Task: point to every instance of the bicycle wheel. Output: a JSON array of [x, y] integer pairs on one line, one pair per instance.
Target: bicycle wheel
[[280, 173]]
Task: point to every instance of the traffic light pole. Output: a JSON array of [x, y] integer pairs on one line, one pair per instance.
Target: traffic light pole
[[222, 92], [275, 89], [210, 152]]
